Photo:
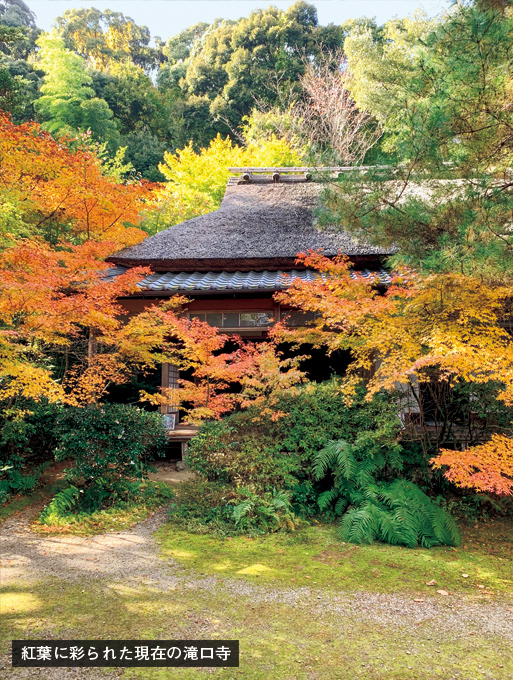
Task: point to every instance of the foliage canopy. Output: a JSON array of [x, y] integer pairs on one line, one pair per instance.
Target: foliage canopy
[[441, 92]]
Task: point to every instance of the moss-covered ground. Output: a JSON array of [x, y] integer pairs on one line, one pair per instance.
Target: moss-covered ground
[[118, 518], [281, 639], [481, 567], [277, 640], [34, 499]]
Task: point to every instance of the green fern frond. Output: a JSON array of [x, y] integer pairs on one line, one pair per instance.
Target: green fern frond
[[399, 514], [370, 492], [241, 509], [358, 525], [341, 505], [61, 504], [337, 454], [327, 497], [281, 499]]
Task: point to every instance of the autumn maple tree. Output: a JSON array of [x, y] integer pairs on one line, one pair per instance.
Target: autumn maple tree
[[218, 373], [63, 338], [270, 375], [165, 335], [486, 467], [60, 322], [446, 327], [57, 189], [63, 210], [452, 322], [61, 332]]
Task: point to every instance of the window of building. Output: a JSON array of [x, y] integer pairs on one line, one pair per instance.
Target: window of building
[[294, 317], [170, 376], [235, 319]]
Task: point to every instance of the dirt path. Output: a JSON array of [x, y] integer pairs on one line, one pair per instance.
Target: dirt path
[[129, 554]]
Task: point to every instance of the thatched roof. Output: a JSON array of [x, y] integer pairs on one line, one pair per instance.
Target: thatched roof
[[260, 225]]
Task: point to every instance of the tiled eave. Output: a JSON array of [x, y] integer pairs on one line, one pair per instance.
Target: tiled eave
[[170, 283]]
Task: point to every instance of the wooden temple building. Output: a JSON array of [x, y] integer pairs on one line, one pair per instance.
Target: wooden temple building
[[232, 261]]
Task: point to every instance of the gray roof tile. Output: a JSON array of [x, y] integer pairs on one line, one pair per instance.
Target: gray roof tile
[[188, 282]]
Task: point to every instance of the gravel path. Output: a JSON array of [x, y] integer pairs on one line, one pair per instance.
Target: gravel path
[[120, 557], [124, 555], [132, 556]]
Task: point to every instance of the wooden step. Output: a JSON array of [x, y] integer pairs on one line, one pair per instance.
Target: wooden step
[[183, 432]]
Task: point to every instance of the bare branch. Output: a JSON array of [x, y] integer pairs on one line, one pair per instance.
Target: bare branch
[[327, 115]]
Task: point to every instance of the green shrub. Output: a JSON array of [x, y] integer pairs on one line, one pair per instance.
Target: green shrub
[[261, 454], [13, 481], [212, 507], [471, 508], [242, 452], [396, 512], [64, 511], [306, 454], [27, 441], [267, 512], [60, 505], [27, 435], [112, 445]]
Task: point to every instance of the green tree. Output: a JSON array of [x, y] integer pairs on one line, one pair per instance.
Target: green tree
[[16, 13], [67, 102], [218, 73], [11, 86], [386, 68], [130, 94], [442, 93], [197, 181], [179, 47], [144, 151], [27, 81], [237, 61], [18, 80], [106, 37]]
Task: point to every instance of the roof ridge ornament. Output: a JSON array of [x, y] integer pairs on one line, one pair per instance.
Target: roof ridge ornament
[[294, 169], [293, 173], [249, 173]]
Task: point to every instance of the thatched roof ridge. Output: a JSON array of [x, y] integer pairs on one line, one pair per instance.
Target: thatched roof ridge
[[260, 225]]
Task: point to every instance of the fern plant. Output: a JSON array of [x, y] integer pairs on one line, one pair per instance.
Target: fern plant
[[60, 505], [270, 511], [398, 513], [16, 482]]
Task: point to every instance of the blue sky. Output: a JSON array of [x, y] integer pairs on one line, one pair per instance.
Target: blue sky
[[168, 17]]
